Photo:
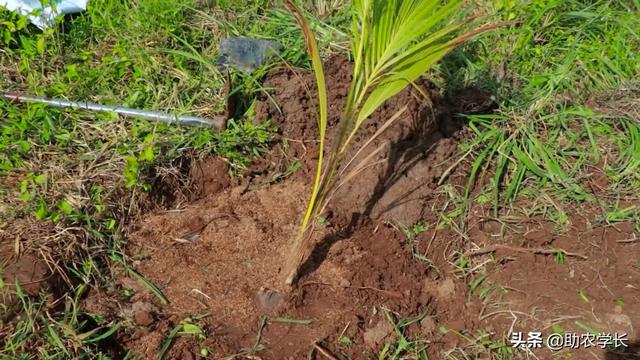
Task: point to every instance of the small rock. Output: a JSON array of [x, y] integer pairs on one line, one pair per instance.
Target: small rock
[[374, 336], [456, 325], [427, 325], [489, 328], [446, 288], [140, 312], [268, 300], [143, 318], [140, 332], [621, 319], [539, 237], [187, 355]]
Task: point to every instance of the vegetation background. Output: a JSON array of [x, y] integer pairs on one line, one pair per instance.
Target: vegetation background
[[565, 83]]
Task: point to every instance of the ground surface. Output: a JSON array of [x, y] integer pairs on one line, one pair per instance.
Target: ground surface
[[221, 255], [505, 198]]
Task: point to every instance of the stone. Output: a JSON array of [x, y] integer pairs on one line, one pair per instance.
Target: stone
[[268, 300], [427, 325], [446, 288], [143, 318], [375, 335]]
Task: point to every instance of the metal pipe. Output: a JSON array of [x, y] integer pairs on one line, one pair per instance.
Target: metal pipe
[[217, 123]]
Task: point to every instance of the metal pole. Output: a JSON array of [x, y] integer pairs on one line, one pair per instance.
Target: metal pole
[[218, 123]]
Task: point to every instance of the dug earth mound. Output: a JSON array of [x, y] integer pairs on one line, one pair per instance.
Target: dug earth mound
[[223, 253], [219, 258]]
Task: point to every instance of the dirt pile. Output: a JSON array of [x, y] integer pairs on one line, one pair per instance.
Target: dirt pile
[[400, 178], [223, 253], [219, 255]]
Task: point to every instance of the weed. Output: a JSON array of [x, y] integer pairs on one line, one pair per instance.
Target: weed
[[410, 233], [552, 78], [118, 258], [69, 333], [463, 264], [79, 174], [619, 301], [452, 210], [479, 345], [559, 256], [291, 321], [186, 327], [588, 328], [344, 341], [583, 296], [544, 134], [402, 347], [475, 284], [617, 215], [279, 176]]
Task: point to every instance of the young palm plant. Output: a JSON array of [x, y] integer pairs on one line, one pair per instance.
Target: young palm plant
[[394, 43]]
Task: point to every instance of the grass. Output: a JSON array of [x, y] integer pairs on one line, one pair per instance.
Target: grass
[[186, 327], [549, 76], [57, 336], [564, 82], [403, 347], [83, 175], [553, 80]]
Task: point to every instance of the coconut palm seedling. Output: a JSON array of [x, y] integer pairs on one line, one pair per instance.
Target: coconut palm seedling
[[394, 43]]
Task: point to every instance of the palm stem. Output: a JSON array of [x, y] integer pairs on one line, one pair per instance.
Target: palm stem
[[393, 46]]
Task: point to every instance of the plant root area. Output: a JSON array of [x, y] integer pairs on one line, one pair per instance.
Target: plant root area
[[217, 253]]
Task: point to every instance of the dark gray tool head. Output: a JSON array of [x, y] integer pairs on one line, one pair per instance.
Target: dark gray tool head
[[247, 54]]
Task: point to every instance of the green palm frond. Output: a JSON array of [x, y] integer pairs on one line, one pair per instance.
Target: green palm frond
[[394, 43]]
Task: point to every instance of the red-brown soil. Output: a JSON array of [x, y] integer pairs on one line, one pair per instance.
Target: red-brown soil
[[222, 255], [24, 266], [218, 253]]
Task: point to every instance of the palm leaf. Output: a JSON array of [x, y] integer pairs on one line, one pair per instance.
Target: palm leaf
[[316, 61], [394, 43]]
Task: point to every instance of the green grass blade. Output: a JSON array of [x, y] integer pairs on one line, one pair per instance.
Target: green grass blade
[[151, 286], [166, 345], [291, 321], [475, 167], [528, 163], [56, 339], [112, 329], [501, 171]]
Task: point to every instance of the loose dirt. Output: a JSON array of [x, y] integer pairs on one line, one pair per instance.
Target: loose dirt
[[217, 253], [24, 266], [222, 255], [399, 180]]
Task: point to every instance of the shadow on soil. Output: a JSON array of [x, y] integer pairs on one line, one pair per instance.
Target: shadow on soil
[[403, 156], [628, 353]]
